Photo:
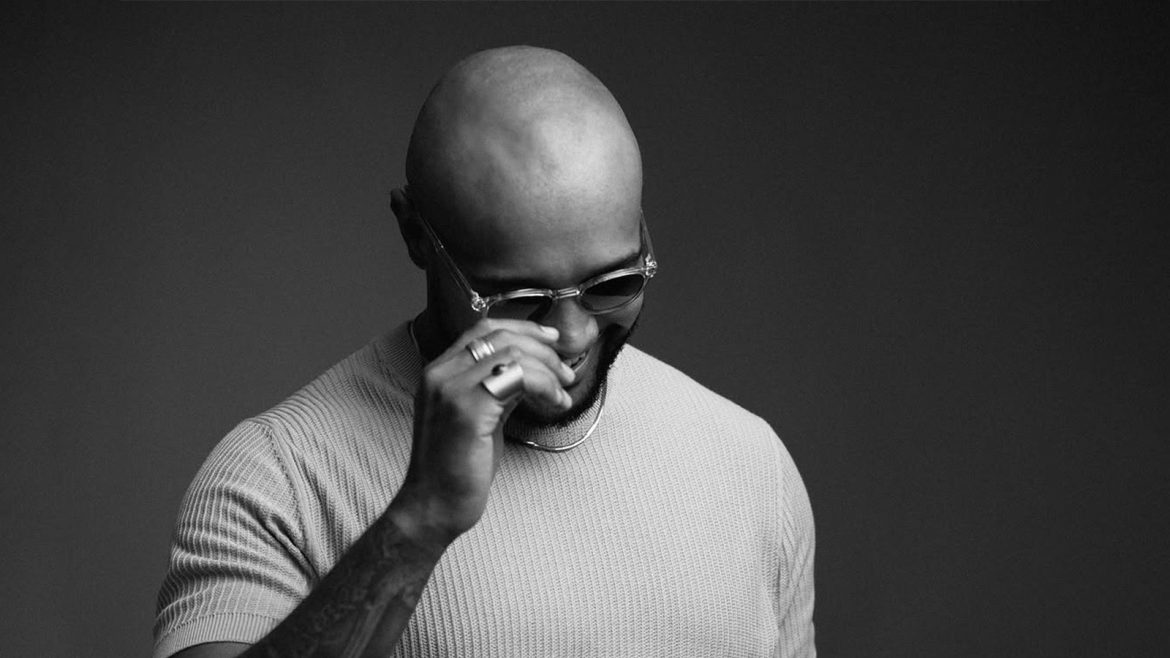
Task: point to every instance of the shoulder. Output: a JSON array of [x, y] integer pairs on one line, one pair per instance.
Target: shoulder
[[365, 377], [357, 400], [244, 457], [647, 377], [321, 464], [347, 430], [659, 391], [713, 438]]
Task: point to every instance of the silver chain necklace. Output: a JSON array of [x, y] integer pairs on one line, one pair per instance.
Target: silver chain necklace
[[570, 446]]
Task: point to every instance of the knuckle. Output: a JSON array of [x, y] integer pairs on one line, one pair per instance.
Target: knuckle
[[480, 328], [537, 380], [448, 390]]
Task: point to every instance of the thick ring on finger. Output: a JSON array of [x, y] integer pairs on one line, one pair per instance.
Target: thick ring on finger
[[480, 349], [505, 381]]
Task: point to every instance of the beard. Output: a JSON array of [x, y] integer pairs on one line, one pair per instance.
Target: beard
[[613, 339]]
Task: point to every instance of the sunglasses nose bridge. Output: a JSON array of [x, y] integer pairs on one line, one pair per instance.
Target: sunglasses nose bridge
[[566, 293]]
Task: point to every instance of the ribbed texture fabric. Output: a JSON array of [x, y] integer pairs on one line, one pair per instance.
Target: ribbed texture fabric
[[681, 527]]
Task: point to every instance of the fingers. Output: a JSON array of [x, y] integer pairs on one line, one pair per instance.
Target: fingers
[[505, 382], [531, 339], [527, 344], [505, 341], [536, 379], [487, 327]]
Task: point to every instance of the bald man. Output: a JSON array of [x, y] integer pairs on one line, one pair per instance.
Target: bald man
[[498, 476]]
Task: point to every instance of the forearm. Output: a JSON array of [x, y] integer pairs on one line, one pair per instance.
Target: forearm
[[363, 605]]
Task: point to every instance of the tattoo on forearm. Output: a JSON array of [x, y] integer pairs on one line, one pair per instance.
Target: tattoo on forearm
[[367, 597]]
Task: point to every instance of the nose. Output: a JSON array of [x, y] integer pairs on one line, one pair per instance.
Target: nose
[[578, 327]]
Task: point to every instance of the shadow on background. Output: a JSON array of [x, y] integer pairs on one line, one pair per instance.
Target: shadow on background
[[918, 239]]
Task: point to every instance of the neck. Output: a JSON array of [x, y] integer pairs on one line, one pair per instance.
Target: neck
[[427, 333]]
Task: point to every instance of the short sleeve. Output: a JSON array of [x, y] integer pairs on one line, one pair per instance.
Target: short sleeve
[[235, 568], [794, 584]]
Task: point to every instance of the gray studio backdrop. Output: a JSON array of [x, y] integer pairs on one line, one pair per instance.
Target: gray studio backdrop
[[914, 238]]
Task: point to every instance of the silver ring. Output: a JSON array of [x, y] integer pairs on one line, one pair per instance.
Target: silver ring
[[506, 380], [480, 349]]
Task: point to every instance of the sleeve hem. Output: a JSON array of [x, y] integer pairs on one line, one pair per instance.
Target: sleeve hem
[[222, 627]]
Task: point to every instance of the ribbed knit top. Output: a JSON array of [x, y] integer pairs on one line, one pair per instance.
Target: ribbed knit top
[[681, 527]]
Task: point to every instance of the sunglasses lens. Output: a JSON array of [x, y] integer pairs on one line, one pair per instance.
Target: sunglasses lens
[[519, 308], [612, 293]]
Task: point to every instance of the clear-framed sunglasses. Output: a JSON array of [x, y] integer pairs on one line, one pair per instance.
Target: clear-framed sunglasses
[[603, 293]]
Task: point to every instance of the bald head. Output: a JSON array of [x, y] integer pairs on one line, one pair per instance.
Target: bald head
[[522, 139]]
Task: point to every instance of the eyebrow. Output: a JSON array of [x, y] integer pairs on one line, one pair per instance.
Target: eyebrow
[[516, 283]]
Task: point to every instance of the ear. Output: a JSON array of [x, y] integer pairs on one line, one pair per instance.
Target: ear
[[408, 225]]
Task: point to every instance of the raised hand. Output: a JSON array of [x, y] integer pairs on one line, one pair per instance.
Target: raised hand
[[458, 426]]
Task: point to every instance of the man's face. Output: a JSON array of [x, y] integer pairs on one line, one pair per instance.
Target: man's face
[[528, 170], [594, 238]]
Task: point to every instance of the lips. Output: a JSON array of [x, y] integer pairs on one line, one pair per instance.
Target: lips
[[577, 363]]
